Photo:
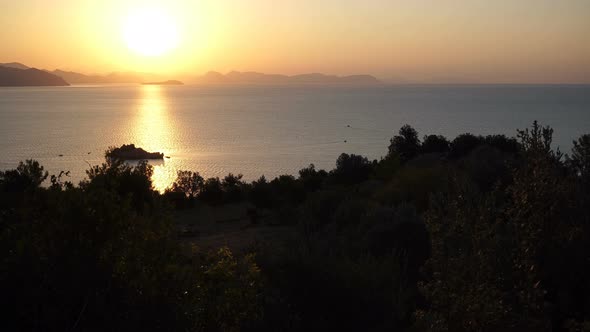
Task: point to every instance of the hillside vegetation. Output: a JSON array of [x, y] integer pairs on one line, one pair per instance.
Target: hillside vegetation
[[478, 233]]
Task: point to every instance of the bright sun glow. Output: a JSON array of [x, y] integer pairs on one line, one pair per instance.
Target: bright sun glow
[[150, 32]]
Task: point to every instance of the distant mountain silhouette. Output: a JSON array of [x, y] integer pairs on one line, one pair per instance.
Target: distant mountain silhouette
[[117, 77], [212, 77], [236, 77], [16, 65], [10, 76], [77, 78], [168, 82]]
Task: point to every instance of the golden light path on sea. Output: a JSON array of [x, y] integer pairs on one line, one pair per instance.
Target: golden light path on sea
[[153, 132]]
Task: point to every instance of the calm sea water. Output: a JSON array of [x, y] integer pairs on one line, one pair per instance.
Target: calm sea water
[[256, 130]]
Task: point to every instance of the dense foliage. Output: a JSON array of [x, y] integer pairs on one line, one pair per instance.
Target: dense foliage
[[478, 233], [102, 257]]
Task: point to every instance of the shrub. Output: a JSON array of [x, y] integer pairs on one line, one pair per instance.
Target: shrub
[[319, 208], [330, 291], [399, 232], [487, 166], [387, 167], [412, 185]]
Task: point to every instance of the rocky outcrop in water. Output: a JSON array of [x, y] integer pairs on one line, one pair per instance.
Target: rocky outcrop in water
[[130, 152]]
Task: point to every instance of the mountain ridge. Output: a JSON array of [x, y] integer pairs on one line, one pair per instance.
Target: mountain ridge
[[16, 65], [211, 77], [114, 77], [11, 76], [251, 77]]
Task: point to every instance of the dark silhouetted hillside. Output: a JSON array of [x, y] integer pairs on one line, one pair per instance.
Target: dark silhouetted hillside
[[212, 77], [28, 77], [16, 65], [117, 77]]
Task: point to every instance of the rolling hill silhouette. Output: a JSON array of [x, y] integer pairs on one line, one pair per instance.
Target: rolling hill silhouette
[[16, 65], [212, 77], [116, 77], [11, 76]]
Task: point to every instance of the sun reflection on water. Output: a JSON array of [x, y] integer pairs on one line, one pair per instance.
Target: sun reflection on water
[[153, 132]]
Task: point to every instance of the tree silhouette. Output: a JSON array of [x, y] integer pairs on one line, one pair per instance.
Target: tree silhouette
[[580, 158], [406, 145], [435, 143]]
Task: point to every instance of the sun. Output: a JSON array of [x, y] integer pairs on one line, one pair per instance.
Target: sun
[[150, 32]]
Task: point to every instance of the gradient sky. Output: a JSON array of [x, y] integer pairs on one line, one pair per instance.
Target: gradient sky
[[454, 41]]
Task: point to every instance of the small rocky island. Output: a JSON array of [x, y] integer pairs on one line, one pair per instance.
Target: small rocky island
[[130, 152], [169, 82]]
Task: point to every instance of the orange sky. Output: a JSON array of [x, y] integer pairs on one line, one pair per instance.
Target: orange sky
[[454, 41]]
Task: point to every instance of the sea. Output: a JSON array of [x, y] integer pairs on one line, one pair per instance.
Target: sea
[[258, 130]]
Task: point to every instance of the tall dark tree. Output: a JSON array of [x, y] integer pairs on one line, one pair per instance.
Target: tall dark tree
[[435, 144], [406, 145], [189, 183], [503, 143], [463, 144], [351, 169], [580, 158], [28, 175], [312, 179]]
